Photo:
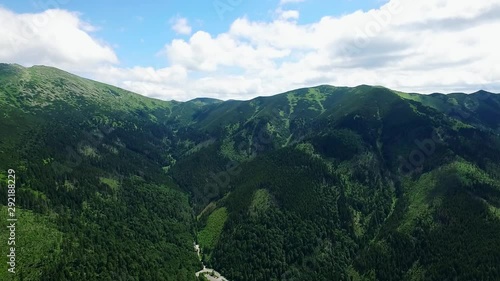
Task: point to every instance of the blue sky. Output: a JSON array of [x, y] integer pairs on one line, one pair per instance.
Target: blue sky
[[139, 29], [240, 49]]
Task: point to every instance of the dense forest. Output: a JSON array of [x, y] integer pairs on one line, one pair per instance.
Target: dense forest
[[323, 183]]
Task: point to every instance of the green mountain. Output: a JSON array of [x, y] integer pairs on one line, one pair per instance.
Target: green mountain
[[323, 183]]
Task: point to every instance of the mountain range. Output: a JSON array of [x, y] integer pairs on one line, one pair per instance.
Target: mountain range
[[321, 183]]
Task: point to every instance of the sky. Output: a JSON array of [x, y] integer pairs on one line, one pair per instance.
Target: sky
[[240, 49]]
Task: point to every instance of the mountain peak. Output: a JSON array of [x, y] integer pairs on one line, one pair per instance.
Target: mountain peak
[[483, 92]]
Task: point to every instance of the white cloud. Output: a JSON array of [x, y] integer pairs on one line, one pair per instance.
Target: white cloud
[[446, 46], [288, 14], [181, 26], [416, 46], [54, 37], [204, 53]]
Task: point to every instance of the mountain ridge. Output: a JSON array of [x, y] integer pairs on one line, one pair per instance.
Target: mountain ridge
[[322, 183], [60, 71]]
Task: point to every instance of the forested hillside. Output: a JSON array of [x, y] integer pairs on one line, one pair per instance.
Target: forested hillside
[[93, 196], [323, 183]]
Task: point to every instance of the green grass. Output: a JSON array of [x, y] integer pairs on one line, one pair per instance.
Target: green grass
[[315, 96], [210, 234], [202, 277], [418, 197], [112, 183], [261, 201]]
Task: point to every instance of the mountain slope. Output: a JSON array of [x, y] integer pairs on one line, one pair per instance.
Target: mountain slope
[[323, 183], [324, 220], [90, 160]]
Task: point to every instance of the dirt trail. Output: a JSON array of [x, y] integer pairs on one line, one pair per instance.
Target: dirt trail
[[209, 273]]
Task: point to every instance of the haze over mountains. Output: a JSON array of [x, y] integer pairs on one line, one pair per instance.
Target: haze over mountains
[[321, 183]]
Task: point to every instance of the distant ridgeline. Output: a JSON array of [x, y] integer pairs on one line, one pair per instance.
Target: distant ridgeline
[[323, 183]]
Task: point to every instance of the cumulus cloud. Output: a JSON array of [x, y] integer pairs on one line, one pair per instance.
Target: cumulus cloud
[[181, 26], [166, 83], [406, 45], [54, 37], [205, 53], [416, 46]]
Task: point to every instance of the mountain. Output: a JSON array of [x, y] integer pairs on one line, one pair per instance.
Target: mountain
[[94, 200], [322, 183]]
